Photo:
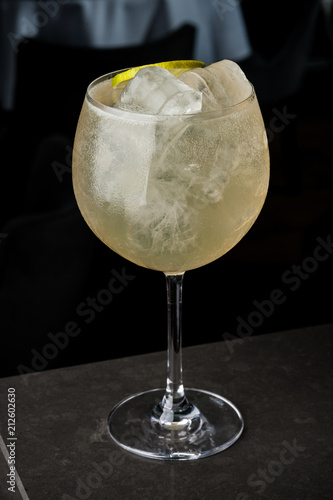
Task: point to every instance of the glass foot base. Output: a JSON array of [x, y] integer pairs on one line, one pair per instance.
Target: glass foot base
[[209, 425]]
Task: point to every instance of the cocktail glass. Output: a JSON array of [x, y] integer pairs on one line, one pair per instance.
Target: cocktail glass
[[170, 193]]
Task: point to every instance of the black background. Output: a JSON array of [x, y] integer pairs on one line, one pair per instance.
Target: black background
[[51, 262]]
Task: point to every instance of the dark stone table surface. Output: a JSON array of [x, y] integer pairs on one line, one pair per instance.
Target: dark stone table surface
[[281, 382]]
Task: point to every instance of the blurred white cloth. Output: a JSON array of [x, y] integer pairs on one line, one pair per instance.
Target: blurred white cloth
[[220, 28]]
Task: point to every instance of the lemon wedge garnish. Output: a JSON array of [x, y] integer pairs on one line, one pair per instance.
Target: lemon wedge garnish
[[175, 67]]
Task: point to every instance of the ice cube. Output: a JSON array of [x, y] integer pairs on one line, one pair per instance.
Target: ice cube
[[214, 95], [114, 176], [222, 84], [233, 79], [154, 90], [163, 224], [193, 162]]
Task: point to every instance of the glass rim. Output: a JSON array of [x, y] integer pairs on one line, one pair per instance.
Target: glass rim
[[226, 110]]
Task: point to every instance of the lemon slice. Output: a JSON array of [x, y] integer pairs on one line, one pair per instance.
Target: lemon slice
[[175, 67]]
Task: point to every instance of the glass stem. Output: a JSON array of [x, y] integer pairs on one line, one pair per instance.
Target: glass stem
[[174, 398]]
